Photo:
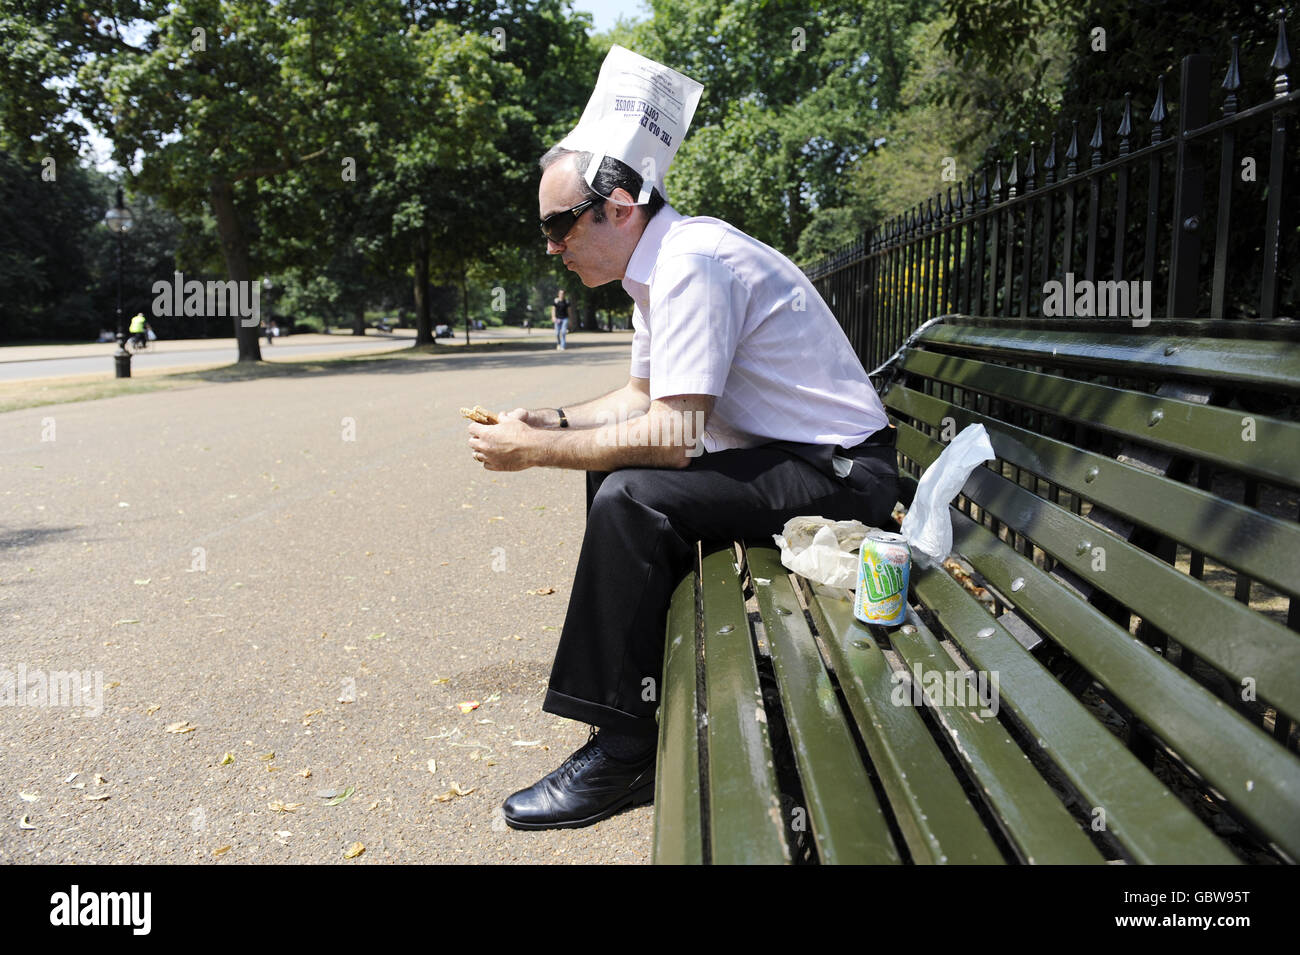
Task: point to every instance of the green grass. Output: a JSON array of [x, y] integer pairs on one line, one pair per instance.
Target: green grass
[[33, 394]]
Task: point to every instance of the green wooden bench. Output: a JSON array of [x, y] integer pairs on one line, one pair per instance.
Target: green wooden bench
[[1138, 537]]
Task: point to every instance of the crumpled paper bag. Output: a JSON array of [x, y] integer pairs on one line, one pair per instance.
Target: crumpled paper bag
[[822, 550]]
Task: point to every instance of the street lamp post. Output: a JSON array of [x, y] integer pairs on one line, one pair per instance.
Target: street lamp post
[[119, 220]]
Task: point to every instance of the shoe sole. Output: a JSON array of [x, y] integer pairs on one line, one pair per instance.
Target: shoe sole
[[637, 797]]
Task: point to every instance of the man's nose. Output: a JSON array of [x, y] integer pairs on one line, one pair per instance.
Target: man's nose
[[553, 247]]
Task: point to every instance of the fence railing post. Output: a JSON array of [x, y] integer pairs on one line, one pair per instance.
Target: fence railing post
[[1189, 188]]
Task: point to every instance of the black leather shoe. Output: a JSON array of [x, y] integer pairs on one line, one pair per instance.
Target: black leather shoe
[[588, 787]]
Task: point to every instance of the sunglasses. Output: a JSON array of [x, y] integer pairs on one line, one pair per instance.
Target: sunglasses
[[556, 227]]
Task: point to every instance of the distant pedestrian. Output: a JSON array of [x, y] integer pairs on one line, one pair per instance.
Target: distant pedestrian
[[560, 316]]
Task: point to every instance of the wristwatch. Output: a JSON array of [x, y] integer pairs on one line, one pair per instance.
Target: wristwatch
[[564, 422]]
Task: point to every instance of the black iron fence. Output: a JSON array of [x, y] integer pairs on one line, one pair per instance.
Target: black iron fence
[[1134, 235]]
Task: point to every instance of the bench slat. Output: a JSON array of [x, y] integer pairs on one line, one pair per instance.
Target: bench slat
[[677, 838], [936, 819], [1189, 515], [1032, 817], [1261, 364], [846, 819], [1239, 641], [1256, 775], [1184, 427], [1140, 813], [745, 824]]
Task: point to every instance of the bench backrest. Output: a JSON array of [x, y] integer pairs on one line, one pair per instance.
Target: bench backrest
[[1148, 484]]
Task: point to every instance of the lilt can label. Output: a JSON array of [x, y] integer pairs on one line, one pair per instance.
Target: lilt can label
[[884, 565]]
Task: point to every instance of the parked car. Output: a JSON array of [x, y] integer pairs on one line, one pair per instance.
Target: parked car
[[442, 331]]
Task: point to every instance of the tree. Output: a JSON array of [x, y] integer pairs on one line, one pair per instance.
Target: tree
[[795, 94], [223, 95]]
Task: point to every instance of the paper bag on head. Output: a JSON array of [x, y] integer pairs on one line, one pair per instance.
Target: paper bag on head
[[638, 114]]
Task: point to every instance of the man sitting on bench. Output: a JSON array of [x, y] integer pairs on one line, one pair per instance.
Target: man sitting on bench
[[731, 336]]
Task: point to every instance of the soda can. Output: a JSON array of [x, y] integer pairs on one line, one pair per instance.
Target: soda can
[[884, 564]]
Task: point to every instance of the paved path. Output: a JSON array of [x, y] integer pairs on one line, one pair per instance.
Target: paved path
[[242, 557]]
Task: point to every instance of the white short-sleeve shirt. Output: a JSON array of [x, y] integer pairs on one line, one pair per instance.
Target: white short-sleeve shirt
[[720, 313]]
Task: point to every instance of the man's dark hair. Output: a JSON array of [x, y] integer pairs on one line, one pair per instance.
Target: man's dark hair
[[613, 174]]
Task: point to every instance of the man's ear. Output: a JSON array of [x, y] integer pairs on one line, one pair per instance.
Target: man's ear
[[624, 202]]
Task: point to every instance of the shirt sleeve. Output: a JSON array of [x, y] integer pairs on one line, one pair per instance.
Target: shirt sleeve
[[640, 344], [697, 309]]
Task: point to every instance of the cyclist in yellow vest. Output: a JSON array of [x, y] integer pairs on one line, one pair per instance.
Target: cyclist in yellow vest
[[138, 327]]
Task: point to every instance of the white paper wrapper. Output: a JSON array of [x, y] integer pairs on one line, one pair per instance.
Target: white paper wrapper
[[638, 113], [928, 524], [822, 550]]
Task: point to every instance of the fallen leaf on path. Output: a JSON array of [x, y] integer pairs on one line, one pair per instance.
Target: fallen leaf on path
[[141, 581], [469, 706], [454, 792], [278, 806], [220, 851], [342, 797], [100, 797], [184, 726], [441, 679], [304, 773], [266, 756], [151, 710], [354, 850], [227, 759], [542, 591]]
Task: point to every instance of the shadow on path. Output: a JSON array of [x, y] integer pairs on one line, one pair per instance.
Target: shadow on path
[[489, 355]]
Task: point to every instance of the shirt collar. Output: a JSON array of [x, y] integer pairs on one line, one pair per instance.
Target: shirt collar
[[642, 262]]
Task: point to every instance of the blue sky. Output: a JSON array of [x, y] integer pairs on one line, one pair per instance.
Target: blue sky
[[605, 12]]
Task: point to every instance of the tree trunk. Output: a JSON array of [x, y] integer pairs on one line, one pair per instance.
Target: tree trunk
[[423, 320], [359, 320], [234, 247]]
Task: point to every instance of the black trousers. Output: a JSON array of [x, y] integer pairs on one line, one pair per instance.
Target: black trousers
[[642, 528]]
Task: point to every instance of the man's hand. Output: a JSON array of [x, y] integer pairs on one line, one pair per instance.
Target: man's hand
[[507, 446]]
